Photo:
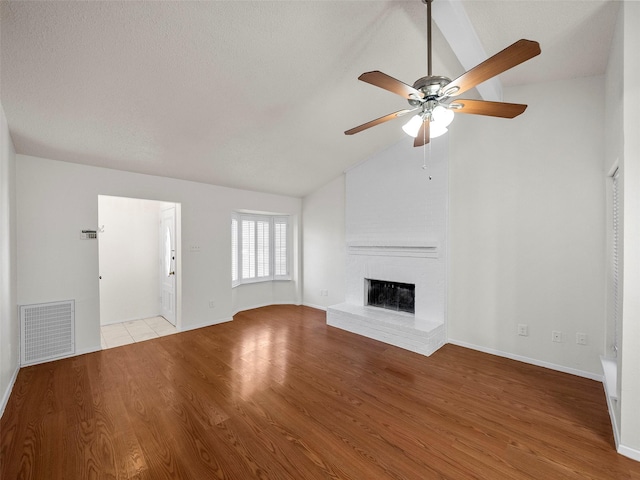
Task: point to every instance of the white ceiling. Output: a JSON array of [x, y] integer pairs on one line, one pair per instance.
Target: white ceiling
[[250, 94]]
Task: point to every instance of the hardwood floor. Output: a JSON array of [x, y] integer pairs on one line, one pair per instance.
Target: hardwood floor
[[277, 394]]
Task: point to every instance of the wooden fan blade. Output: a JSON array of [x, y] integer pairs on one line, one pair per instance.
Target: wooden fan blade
[[383, 80], [493, 109], [515, 54], [378, 121], [423, 135]]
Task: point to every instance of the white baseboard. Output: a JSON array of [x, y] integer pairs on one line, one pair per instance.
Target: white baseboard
[[205, 324], [609, 381], [7, 392], [95, 348], [632, 453], [614, 421], [317, 307], [532, 361], [113, 322], [260, 305]]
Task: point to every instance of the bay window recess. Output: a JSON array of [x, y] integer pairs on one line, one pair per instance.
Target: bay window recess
[[259, 248]]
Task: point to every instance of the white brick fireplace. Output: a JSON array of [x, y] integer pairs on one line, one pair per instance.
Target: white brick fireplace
[[396, 232]]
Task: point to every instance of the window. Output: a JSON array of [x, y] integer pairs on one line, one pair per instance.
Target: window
[[259, 248]]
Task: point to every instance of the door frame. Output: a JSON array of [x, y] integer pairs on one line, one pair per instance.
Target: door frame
[[178, 264], [173, 263], [178, 245]]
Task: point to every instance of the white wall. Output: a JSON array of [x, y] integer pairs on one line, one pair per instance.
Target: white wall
[[56, 200], [324, 257], [129, 251], [390, 199], [613, 158], [527, 227], [629, 378], [9, 322]]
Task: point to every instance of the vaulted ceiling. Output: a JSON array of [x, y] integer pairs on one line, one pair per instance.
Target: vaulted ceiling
[[251, 94]]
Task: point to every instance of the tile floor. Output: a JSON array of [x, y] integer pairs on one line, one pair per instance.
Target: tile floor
[[118, 334]]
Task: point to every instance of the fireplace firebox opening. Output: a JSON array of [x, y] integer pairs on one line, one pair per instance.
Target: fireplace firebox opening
[[391, 295]]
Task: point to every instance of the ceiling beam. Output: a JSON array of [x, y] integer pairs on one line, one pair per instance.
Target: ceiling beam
[[454, 23]]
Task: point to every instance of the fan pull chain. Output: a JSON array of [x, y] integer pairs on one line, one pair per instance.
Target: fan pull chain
[[424, 156]]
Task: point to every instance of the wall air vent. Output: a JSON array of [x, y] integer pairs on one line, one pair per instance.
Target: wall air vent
[[47, 331]]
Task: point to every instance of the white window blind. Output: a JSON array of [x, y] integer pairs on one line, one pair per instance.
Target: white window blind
[[248, 249], [234, 250], [280, 247], [260, 248], [615, 256]]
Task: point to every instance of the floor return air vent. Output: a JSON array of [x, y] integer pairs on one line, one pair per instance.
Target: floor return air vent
[[47, 331]]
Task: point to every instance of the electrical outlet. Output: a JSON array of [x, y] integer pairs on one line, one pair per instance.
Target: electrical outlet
[[194, 248], [581, 338], [324, 293], [523, 330], [556, 336], [212, 304]]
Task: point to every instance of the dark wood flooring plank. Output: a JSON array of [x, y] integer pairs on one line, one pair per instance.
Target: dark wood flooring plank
[[277, 394], [115, 440]]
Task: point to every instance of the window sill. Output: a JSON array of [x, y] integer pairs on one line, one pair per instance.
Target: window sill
[[253, 282]]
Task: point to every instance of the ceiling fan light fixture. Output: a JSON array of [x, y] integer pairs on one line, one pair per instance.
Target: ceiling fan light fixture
[[436, 130], [412, 127], [442, 116]]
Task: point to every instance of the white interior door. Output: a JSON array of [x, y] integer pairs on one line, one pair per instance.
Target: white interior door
[[168, 260]]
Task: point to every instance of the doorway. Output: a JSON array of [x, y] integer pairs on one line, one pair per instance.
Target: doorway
[[138, 257], [168, 273]]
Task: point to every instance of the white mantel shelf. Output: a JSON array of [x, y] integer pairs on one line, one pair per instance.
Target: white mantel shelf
[[419, 251]]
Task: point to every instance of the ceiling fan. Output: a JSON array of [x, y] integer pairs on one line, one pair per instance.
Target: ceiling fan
[[432, 97]]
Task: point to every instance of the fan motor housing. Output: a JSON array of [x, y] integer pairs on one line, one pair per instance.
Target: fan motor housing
[[430, 86]]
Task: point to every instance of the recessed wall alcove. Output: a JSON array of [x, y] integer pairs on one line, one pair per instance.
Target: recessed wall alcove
[[396, 226]]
